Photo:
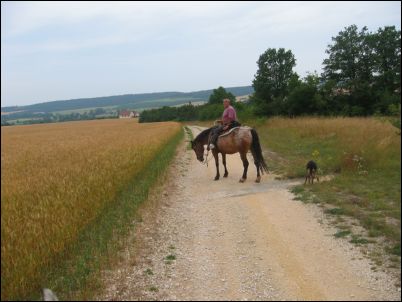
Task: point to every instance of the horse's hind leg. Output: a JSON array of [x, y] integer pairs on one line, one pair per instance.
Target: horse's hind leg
[[224, 164], [245, 166], [258, 179]]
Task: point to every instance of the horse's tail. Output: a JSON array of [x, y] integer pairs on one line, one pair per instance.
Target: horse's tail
[[257, 152]]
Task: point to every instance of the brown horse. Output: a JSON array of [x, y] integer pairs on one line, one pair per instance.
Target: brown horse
[[239, 139]]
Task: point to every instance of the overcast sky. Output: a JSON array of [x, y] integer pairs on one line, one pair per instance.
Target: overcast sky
[[65, 50]]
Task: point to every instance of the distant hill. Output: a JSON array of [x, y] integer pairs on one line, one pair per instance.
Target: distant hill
[[132, 101]]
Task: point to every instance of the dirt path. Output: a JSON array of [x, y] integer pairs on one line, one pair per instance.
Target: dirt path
[[222, 240]]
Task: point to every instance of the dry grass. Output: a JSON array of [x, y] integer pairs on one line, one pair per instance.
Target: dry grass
[[56, 179], [347, 143]]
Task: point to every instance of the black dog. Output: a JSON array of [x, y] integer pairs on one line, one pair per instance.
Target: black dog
[[311, 168]]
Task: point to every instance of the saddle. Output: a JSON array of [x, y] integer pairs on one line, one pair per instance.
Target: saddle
[[227, 132]]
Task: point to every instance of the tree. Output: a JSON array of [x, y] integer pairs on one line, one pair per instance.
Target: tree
[[219, 94], [275, 69], [304, 98], [271, 82], [99, 111], [351, 58], [366, 66], [387, 45]]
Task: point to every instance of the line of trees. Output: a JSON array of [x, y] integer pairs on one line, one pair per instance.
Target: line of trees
[[361, 77], [213, 109]]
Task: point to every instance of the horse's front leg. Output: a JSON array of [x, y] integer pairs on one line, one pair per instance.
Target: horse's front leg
[[224, 164], [245, 166], [216, 164]]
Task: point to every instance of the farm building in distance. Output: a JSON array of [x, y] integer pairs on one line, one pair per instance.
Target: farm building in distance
[[243, 98], [128, 114]]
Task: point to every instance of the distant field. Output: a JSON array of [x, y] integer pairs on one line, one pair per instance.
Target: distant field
[[22, 119], [82, 110], [11, 112], [56, 179]]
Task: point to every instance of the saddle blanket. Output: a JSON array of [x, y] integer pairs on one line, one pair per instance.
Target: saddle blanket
[[231, 130]]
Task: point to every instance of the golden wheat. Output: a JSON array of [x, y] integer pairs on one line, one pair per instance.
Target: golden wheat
[[56, 178]]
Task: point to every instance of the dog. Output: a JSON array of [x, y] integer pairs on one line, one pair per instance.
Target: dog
[[311, 168]]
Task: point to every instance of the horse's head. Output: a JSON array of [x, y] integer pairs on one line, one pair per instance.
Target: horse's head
[[198, 148], [198, 144]]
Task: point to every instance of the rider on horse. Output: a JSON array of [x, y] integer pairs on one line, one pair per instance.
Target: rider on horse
[[228, 121]]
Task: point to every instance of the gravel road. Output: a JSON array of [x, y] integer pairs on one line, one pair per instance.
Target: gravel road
[[200, 239]]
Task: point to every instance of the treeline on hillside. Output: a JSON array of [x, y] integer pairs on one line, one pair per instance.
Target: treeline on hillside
[[143, 100], [361, 77]]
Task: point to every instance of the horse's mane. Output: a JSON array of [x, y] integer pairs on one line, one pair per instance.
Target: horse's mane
[[203, 135]]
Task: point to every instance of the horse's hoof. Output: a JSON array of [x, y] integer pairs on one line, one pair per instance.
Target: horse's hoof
[[242, 180], [258, 179], [226, 175], [216, 178]]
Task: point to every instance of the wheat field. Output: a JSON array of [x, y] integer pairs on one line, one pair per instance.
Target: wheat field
[[57, 178]]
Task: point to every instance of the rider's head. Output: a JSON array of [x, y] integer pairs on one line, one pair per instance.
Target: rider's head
[[226, 103]]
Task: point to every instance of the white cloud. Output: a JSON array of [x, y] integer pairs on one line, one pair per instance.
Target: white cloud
[[30, 16], [212, 21], [126, 22]]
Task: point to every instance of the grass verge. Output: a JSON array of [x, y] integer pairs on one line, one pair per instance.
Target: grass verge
[[189, 135], [363, 155]]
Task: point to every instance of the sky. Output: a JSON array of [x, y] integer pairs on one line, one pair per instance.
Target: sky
[[66, 50]]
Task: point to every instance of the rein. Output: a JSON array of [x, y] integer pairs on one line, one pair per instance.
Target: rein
[[206, 161]]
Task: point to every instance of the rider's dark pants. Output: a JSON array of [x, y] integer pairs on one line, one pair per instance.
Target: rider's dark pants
[[216, 131]]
